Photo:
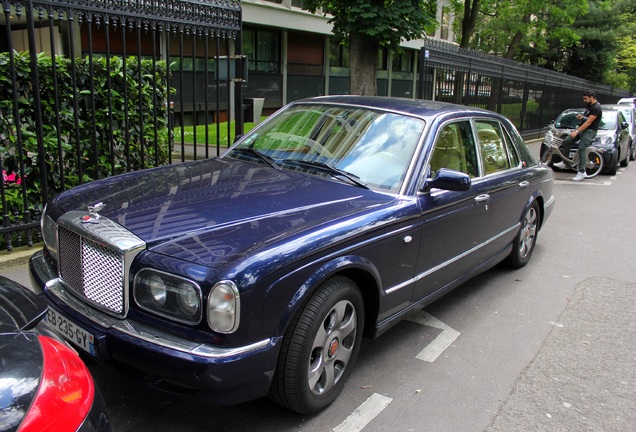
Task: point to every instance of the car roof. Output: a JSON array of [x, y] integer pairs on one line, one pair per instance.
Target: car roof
[[626, 100], [618, 107], [417, 107]]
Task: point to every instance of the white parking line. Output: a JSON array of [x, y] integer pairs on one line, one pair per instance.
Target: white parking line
[[364, 413], [583, 183], [441, 342]]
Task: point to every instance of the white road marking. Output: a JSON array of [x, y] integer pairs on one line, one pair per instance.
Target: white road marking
[[584, 183], [364, 414], [441, 342]]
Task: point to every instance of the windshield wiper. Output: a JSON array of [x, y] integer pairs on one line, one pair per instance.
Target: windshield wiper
[[249, 150], [336, 172]]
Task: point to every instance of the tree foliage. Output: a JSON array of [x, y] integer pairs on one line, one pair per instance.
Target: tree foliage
[[368, 25], [591, 39]]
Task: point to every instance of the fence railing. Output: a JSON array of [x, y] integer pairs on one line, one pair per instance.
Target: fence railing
[[94, 88], [529, 96]]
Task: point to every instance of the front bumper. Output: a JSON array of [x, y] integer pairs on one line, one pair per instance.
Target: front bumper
[[160, 359]]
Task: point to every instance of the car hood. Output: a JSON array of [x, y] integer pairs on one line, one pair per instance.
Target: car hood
[[226, 207]]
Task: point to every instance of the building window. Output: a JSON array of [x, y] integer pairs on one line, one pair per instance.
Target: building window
[[445, 33], [298, 3], [402, 62], [338, 54], [383, 62], [262, 48], [305, 53]]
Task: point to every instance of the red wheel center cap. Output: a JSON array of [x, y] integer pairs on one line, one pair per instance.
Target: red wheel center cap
[[333, 347]]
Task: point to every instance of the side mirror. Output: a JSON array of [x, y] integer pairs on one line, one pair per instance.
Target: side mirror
[[624, 125], [448, 179]]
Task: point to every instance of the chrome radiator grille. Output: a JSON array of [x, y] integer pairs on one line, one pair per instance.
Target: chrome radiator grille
[[92, 271]]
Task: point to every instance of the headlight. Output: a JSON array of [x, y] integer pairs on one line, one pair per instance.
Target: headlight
[[49, 234], [606, 141], [168, 295], [224, 307]]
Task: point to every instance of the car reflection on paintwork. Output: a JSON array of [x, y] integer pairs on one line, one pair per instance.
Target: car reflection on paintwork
[[259, 272]]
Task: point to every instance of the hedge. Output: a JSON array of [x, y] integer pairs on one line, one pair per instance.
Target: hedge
[[112, 119]]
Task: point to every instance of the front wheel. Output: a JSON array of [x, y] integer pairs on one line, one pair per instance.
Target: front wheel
[[545, 155], [523, 245], [320, 348], [594, 163]]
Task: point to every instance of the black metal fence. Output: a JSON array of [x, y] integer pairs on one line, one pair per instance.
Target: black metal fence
[[529, 96], [94, 88]]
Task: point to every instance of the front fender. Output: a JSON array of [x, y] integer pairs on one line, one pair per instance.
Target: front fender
[[298, 286]]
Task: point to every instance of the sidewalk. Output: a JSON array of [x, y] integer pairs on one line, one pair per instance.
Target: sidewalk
[[583, 378], [18, 256]]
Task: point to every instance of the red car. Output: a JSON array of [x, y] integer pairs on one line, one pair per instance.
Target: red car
[[44, 385]]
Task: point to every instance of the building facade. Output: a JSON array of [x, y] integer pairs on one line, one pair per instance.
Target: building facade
[[292, 54]]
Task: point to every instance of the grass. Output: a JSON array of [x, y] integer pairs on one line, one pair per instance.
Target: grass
[[189, 133]]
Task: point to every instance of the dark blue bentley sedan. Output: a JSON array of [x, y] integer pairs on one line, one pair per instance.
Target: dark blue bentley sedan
[[259, 272]]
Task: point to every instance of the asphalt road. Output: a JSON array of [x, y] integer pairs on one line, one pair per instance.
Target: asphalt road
[[549, 347]]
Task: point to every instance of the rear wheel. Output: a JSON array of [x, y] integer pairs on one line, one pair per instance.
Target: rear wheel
[[320, 348], [523, 245], [594, 163]]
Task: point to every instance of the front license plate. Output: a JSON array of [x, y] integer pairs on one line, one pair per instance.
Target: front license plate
[[71, 331]]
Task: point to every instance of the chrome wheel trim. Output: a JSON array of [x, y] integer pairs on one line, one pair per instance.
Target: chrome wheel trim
[[332, 347], [528, 233]]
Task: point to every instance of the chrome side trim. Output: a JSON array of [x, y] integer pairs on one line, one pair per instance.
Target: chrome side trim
[[146, 333], [450, 261]]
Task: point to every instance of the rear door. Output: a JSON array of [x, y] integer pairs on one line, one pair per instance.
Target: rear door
[[507, 184]]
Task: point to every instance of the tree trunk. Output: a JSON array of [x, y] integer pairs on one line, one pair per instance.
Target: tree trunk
[[516, 40], [363, 59], [471, 11]]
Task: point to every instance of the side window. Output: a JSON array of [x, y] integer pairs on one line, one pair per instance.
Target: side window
[[455, 149], [512, 151], [493, 146]]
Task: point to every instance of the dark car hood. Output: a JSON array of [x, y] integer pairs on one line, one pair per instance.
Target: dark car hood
[[219, 208]]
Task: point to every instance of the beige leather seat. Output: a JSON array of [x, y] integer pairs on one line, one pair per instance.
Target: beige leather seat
[[448, 152]]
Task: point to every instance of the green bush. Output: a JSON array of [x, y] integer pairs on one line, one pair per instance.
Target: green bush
[[110, 122]]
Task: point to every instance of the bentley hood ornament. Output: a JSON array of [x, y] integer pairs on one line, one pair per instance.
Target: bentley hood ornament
[[93, 215]]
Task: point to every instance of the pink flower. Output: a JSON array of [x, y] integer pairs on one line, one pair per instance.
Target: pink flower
[[11, 178]]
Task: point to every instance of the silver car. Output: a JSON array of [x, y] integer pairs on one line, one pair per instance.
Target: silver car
[[629, 112]]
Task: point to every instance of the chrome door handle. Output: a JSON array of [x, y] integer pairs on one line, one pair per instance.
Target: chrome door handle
[[524, 184], [482, 198]]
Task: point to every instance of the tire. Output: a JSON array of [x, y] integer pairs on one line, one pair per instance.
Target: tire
[[320, 348], [632, 151], [613, 168], [625, 161], [594, 164], [546, 155], [523, 245]]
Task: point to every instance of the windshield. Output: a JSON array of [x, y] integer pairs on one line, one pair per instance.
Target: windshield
[[568, 120], [361, 146], [627, 112]]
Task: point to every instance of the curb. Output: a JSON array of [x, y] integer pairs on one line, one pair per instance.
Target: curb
[[18, 256]]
